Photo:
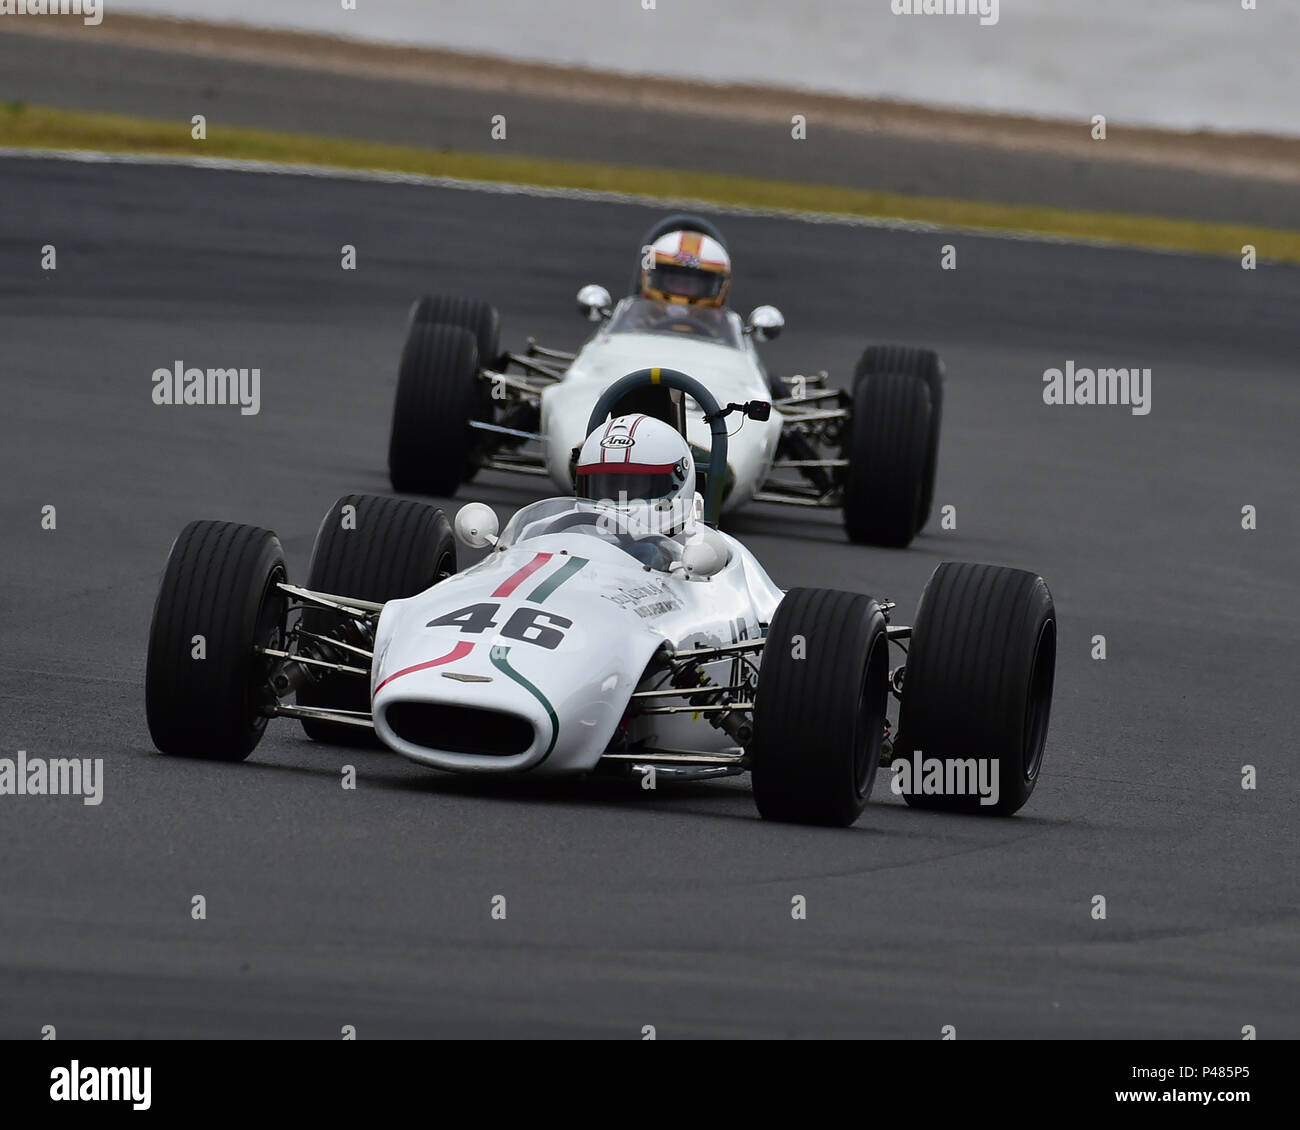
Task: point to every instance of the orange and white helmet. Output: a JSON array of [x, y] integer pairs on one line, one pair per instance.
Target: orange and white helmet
[[686, 267], [640, 471]]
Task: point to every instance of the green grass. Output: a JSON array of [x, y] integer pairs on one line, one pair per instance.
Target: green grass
[[38, 127]]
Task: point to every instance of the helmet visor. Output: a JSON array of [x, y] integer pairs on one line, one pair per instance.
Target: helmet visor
[[686, 282], [627, 482]]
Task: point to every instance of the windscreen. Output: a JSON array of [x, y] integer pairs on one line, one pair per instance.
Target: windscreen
[[580, 517], [703, 323]]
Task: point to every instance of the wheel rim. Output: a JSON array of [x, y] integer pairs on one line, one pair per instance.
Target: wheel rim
[[268, 630], [871, 715], [445, 568], [1042, 676]]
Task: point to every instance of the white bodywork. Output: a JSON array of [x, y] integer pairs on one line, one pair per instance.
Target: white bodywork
[[732, 374], [565, 627]]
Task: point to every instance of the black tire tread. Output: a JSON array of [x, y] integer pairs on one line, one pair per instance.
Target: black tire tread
[[968, 668], [431, 446], [884, 479], [395, 551], [211, 586], [473, 314], [805, 709], [917, 362]]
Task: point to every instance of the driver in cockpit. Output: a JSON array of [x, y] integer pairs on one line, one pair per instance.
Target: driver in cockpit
[[686, 276], [640, 474]]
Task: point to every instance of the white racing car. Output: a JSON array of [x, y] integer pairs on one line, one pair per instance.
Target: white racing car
[[462, 404], [615, 630]]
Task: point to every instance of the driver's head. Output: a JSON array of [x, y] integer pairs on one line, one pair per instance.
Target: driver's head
[[639, 471], [687, 267]]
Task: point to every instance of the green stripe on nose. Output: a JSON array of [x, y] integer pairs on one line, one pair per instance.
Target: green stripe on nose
[[556, 579]]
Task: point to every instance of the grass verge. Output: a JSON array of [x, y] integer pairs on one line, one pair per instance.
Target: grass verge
[[39, 127]]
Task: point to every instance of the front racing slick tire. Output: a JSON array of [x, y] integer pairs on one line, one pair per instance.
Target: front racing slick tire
[[819, 711], [978, 686], [473, 314], [205, 686], [886, 448], [925, 364], [369, 547], [432, 449]]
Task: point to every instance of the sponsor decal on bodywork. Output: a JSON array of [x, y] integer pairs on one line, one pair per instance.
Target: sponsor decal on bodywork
[[650, 599]]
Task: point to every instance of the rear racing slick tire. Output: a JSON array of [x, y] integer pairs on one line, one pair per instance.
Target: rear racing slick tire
[[432, 448], [925, 364], [473, 314], [375, 548], [886, 448], [978, 685]]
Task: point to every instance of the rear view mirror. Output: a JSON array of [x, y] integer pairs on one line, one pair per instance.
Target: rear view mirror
[[476, 525], [765, 323], [594, 302], [703, 558]]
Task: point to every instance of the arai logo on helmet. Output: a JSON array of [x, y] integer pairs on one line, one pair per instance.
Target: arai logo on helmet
[[617, 441]]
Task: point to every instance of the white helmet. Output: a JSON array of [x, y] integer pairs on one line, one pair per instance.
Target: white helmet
[[687, 267], [640, 470]]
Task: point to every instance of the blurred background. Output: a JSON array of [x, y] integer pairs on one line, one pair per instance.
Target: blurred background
[[1181, 64], [1198, 98]]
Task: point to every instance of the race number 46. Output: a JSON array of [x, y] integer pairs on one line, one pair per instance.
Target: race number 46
[[527, 625]]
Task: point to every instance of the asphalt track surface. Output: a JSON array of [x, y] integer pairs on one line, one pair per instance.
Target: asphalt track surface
[[371, 907], [112, 77]]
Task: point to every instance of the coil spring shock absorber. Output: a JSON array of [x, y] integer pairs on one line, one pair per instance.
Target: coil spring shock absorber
[[736, 724], [291, 676]]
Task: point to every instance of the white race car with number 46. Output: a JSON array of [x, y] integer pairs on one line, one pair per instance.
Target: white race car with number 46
[[612, 631]]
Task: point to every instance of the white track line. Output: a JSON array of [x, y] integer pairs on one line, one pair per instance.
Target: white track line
[[506, 188]]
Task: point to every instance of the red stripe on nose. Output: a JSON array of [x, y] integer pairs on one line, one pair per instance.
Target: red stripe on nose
[[516, 579], [461, 650]]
